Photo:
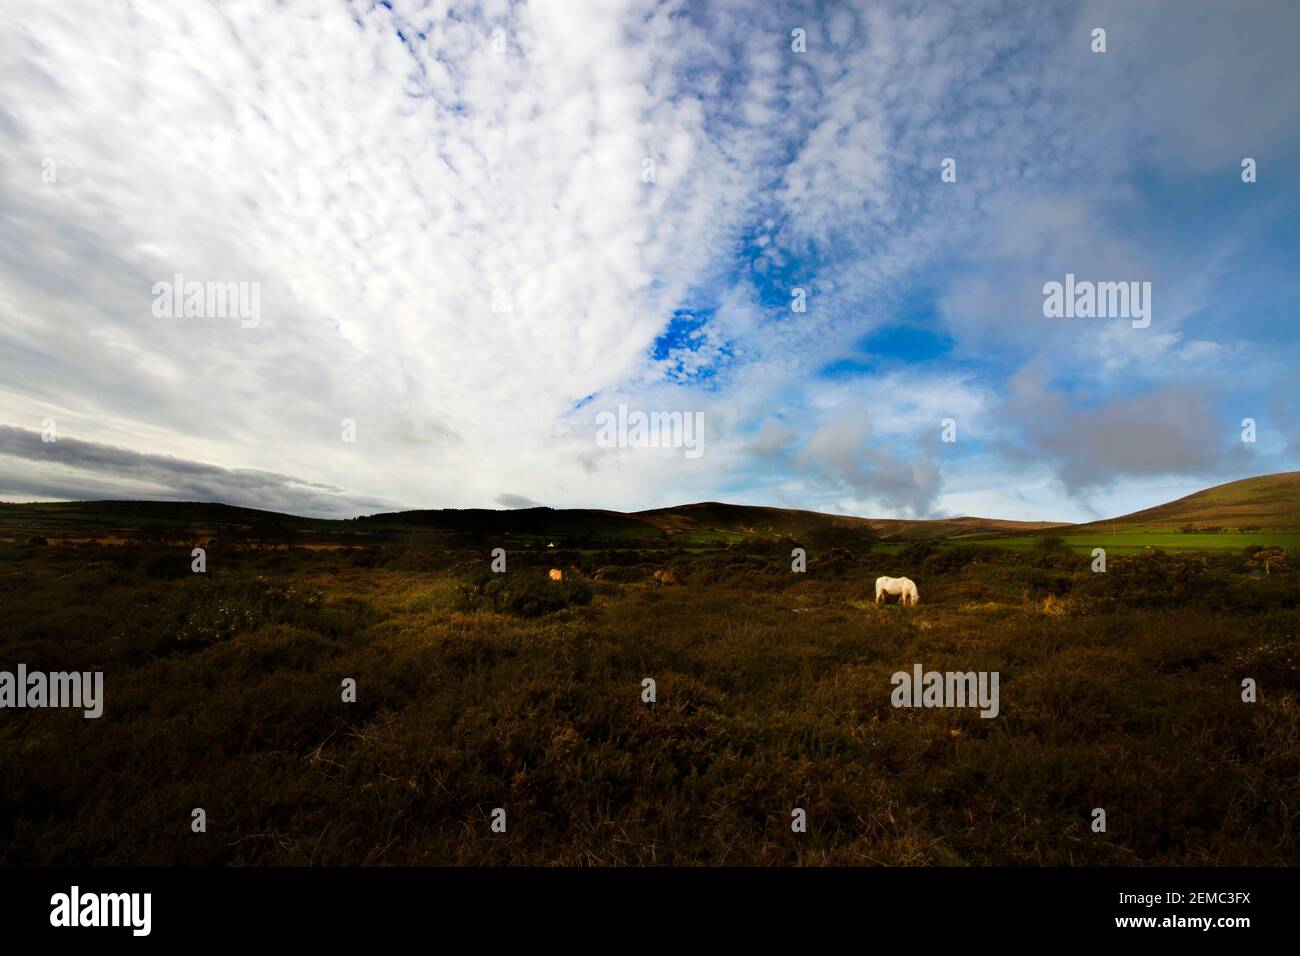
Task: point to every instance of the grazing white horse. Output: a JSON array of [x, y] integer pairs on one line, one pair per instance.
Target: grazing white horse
[[900, 586]]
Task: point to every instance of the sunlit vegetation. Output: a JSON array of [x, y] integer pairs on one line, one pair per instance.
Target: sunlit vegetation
[[1119, 690]]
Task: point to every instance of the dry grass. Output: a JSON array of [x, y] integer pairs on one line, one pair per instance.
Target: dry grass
[[773, 693]]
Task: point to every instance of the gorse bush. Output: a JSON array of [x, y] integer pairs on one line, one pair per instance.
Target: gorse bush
[[1159, 580], [953, 560], [233, 603], [523, 594]]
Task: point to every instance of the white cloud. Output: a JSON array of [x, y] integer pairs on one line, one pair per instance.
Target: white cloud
[[381, 193], [387, 190]]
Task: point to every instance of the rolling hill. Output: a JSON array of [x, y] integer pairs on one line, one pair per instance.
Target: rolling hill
[[1270, 502], [712, 517], [1267, 501]]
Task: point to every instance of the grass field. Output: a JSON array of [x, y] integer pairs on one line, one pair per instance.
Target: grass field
[[475, 692], [1129, 540]]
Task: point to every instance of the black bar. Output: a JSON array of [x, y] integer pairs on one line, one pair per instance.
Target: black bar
[[923, 905]]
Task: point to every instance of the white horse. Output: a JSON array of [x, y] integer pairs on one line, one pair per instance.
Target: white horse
[[900, 586]]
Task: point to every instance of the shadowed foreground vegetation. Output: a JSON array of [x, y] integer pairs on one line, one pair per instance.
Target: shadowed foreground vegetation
[[1119, 690]]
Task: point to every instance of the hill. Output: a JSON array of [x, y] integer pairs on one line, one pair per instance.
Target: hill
[[1267, 501], [1270, 502], [87, 518], [711, 517]]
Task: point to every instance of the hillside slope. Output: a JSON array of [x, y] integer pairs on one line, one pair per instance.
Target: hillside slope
[[717, 518], [1269, 502], [1266, 501]]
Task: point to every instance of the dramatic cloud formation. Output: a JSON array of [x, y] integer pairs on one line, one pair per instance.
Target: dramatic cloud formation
[[475, 229], [68, 468]]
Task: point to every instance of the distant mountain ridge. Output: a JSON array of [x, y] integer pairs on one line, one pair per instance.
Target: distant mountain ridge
[[1265, 501], [787, 522]]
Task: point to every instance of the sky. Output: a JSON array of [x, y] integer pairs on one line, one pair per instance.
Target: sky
[[474, 230]]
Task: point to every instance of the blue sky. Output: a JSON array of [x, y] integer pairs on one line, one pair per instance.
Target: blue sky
[[448, 216]]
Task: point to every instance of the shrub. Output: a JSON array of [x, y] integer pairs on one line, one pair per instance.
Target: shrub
[[1042, 583], [914, 554], [523, 594], [620, 573], [168, 565], [1156, 579], [953, 560], [854, 539], [233, 604]]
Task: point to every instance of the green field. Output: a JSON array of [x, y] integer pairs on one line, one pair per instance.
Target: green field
[[1129, 541]]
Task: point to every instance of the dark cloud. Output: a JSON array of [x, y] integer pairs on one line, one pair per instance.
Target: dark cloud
[[843, 457], [1090, 447], [75, 469]]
